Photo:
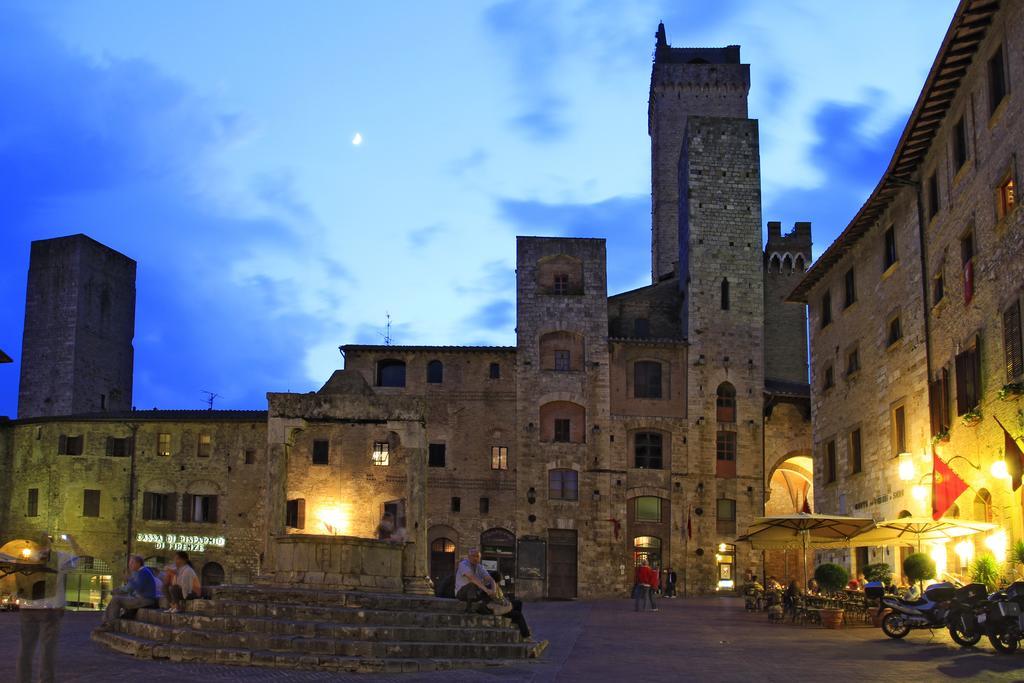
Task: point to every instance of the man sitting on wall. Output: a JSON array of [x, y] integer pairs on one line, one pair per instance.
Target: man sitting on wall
[[475, 586], [140, 591]]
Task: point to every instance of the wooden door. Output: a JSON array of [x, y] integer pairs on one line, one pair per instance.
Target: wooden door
[[562, 556]]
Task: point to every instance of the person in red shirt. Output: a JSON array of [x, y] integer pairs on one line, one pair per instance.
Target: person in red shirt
[[646, 583]]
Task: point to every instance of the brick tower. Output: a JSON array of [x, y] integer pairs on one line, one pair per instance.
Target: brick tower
[[786, 257], [684, 82], [77, 352]]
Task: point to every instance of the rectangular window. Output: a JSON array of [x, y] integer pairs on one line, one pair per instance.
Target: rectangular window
[[851, 289], [205, 446], [968, 379], [456, 504], [647, 450], [725, 446], [321, 452], [295, 513], [199, 509], [1012, 342], [119, 448], [485, 506], [938, 285], [642, 328], [561, 283], [856, 458], [381, 454], [826, 308], [159, 505], [436, 455], [494, 372], [725, 513], [71, 445], [563, 484], [1006, 197], [996, 81], [959, 144], [32, 509], [648, 509], [90, 503], [933, 196], [852, 361], [967, 259], [163, 444], [562, 360], [563, 430], [889, 257], [939, 403], [899, 430], [895, 331], [250, 456], [830, 462], [830, 379], [499, 458], [646, 379]]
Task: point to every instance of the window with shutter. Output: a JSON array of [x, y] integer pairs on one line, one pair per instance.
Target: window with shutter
[[186, 507], [295, 514], [147, 505], [1012, 342]]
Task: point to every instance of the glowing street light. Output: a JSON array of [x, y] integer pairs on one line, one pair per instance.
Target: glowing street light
[[997, 544], [906, 467], [965, 551], [999, 470]]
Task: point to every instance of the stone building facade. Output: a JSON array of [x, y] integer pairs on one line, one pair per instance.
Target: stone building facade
[[655, 423], [915, 309]]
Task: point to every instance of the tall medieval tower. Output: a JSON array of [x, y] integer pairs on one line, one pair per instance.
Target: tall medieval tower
[[77, 353], [786, 257]]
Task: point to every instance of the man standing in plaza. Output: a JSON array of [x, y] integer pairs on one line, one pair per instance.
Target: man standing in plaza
[[140, 591], [42, 598]]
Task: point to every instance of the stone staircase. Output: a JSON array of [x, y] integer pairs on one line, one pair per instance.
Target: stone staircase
[[343, 631]]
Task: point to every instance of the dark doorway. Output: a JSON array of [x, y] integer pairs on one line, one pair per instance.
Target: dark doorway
[[442, 560], [562, 564], [213, 575], [498, 555]]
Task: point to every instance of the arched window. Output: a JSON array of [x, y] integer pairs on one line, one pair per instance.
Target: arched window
[[647, 450], [647, 379], [953, 511], [725, 294], [442, 560], [726, 403], [435, 372], [775, 265], [904, 514], [787, 264], [800, 265], [983, 506], [563, 484], [213, 574], [391, 373]]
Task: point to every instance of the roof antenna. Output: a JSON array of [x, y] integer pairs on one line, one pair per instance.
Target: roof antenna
[[386, 334], [209, 398]]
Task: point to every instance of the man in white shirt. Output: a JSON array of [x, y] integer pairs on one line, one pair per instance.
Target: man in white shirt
[[42, 599], [472, 581]]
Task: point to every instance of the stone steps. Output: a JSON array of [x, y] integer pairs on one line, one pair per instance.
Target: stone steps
[[327, 630], [322, 645], [331, 629], [343, 615], [146, 649]]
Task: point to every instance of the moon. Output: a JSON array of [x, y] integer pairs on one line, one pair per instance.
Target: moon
[[357, 139]]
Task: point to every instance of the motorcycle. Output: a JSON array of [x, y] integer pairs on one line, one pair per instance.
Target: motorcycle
[[1003, 621], [927, 612], [968, 604]]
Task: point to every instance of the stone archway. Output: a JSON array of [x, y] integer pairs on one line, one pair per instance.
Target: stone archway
[[789, 489]]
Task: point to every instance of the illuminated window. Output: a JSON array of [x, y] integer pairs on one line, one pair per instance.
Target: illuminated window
[[205, 446], [499, 458], [1006, 197], [648, 509], [199, 508], [163, 444], [381, 456]]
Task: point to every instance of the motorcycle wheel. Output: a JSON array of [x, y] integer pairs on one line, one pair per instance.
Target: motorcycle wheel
[[1004, 643], [961, 636], [893, 626]]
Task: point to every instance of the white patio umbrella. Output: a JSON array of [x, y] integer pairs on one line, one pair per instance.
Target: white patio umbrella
[[900, 531], [803, 530]]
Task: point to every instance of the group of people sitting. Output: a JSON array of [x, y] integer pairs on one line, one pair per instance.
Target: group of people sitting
[[144, 587]]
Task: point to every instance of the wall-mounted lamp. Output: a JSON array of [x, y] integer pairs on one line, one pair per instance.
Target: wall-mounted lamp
[[906, 467], [597, 495], [530, 427], [531, 496], [700, 488], [596, 428], [700, 420]]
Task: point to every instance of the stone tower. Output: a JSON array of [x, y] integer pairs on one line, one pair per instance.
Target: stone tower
[[77, 352], [786, 257], [684, 82]]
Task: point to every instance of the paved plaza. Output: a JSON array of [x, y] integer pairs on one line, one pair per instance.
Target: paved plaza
[[704, 639]]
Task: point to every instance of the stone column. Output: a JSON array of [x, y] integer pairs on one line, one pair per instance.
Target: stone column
[[279, 438], [415, 566]]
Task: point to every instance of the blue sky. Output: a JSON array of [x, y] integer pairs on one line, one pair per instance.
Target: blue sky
[[212, 142]]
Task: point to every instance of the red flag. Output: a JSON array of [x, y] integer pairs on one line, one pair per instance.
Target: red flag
[[946, 486], [689, 525], [1013, 458], [807, 506]]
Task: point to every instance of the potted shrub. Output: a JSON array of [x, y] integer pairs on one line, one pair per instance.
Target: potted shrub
[[941, 437], [985, 570], [971, 417], [1016, 554], [878, 572], [919, 568], [832, 578]]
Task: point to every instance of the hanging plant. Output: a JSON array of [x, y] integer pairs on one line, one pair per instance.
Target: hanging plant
[[1011, 391], [972, 417], [941, 437]]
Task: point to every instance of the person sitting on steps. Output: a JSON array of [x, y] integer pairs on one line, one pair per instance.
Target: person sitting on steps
[[475, 586], [138, 592]]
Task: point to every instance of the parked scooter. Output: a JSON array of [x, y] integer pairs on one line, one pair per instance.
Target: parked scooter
[[928, 612], [1003, 621], [968, 604]]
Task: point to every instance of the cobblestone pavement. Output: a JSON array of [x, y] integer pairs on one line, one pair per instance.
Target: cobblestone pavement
[[703, 639]]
